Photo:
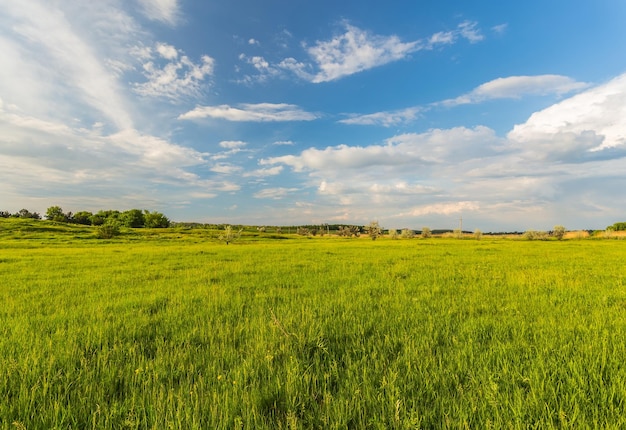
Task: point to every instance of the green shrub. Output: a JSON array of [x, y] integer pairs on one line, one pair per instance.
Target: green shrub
[[108, 230]]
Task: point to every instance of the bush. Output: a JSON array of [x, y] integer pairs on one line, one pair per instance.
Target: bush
[[374, 230], [108, 230], [535, 235], [558, 232], [426, 233], [407, 233]]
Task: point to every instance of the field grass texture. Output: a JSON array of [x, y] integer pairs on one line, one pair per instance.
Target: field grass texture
[[175, 331]]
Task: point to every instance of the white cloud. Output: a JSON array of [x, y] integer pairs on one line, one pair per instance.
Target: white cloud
[[166, 11], [261, 112], [469, 31], [447, 208], [500, 28], [50, 58], [264, 70], [274, 193], [400, 188], [510, 87], [283, 142], [272, 171], [225, 168], [354, 51], [585, 127], [76, 160], [386, 119], [167, 51], [174, 78], [516, 87], [411, 149], [253, 42], [232, 144], [442, 38]]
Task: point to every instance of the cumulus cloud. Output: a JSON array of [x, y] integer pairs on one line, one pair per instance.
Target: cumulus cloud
[[518, 86], [166, 11], [72, 159], [261, 112], [263, 69], [167, 51], [411, 149], [585, 127]]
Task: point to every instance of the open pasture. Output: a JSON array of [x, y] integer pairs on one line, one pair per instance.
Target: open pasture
[[181, 331]]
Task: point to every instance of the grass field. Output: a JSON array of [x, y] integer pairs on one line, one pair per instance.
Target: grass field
[[173, 329]]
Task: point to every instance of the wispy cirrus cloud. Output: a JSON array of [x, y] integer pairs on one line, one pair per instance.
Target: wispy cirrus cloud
[[385, 119], [275, 193], [49, 57], [260, 112], [511, 87], [262, 173], [166, 11]]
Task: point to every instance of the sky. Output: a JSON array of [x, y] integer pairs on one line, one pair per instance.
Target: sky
[[508, 115]]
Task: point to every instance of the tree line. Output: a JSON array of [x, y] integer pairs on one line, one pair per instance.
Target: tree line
[[133, 218]]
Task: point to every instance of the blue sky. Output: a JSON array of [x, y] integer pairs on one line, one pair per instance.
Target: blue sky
[[511, 115]]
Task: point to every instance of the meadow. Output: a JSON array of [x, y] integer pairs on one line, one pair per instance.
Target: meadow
[[174, 329]]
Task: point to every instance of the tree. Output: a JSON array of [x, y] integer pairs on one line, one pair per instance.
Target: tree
[[478, 234], [229, 235], [5, 214], [393, 233], [303, 231], [618, 226], [25, 213], [133, 218], [82, 217], [349, 231], [155, 220], [426, 233], [558, 231], [374, 230], [55, 213]]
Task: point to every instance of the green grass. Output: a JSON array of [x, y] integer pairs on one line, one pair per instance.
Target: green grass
[[172, 329]]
